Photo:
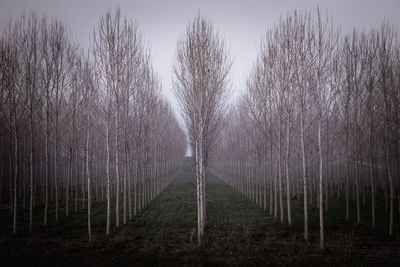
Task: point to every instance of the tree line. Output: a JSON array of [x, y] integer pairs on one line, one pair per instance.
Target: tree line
[[319, 118], [81, 126]]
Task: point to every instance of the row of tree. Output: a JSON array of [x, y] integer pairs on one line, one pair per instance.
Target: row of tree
[[320, 113], [77, 125]]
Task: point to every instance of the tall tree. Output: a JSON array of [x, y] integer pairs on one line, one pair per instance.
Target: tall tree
[[201, 83]]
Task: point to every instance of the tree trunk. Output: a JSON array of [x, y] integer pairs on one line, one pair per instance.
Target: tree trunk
[[31, 172], [136, 181], [356, 165], [116, 170], [279, 170], [46, 202], [76, 176], [303, 159], [276, 190], [389, 175], [203, 191], [321, 206], [108, 172], [125, 177], [327, 166], [55, 163], [15, 179], [199, 195], [88, 181], [71, 154], [347, 191], [129, 187], [68, 182], [287, 170], [270, 168]]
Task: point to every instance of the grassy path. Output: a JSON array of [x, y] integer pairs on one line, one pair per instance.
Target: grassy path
[[238, 233]]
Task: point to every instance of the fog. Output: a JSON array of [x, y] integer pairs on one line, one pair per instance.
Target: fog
[[242, 23]]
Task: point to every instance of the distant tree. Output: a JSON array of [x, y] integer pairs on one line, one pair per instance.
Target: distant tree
[[59, 48], [30, 59], [89, 96], [386, 85], [11, 107]]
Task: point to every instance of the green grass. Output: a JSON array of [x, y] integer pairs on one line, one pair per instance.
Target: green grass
[[238, 232]]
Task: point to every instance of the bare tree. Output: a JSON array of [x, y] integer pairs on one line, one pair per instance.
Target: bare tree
[[108, 55], [89, 96], [201, 83], [105, 57], [385, 83], [30, 69], [354, 77], [46, 77], [11, 103], [48, 98], [303, 38], [325, 44], [59, 47]]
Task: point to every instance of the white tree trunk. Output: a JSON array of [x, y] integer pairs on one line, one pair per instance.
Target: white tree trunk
[[15, 180], [129, 187], [125, 177], [287, 170], [321, 198], [303, 160], [389, 176], [46, 173], [55, 163], [356, 163], [280, 172], [88, 182], [198, 186], [116, 170], [31, 172], [69, 175], [108, 173], [347, 191]]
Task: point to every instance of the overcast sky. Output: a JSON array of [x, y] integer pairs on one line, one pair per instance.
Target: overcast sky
[[241, 23]]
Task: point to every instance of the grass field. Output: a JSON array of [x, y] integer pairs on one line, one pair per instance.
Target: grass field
[[238, 233]]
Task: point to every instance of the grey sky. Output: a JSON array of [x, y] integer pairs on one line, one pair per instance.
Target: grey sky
[[241, 23]]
